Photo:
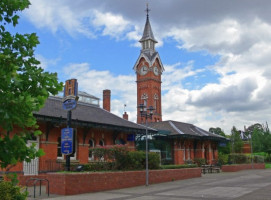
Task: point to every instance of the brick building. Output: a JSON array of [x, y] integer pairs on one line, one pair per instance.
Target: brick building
[[94, 126], [97, 126]]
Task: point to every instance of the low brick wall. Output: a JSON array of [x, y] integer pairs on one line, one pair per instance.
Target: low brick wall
[[235, 168], [78, 183]]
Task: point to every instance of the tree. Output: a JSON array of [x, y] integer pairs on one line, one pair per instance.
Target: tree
[[217, 131], [236, 141], [24, 87], [225, 148]]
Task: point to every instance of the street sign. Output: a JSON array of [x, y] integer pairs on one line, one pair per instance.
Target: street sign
[[69, 104], [67, 141]]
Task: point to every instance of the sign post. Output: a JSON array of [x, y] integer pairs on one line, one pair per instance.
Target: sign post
[[67, 134]]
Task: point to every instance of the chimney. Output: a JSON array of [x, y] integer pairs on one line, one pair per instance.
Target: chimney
[[125, 116], [106, 100]]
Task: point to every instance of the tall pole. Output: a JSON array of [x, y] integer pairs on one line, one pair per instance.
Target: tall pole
[[147, 159], [251, 151], [68, 160]]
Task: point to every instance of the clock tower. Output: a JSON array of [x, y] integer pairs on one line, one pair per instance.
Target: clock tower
[[149, 68]]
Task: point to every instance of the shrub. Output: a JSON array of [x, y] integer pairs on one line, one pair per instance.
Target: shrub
[[200, 161], [189, 162], [10, 192], [238, 158], [178, 166], [258, 159], [223, 158], [124, 160]]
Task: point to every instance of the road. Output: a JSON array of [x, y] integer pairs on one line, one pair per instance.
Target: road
[[243, 185]]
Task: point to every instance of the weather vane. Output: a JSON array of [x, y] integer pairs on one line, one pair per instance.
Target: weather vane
[[124, 107], [147, 9]]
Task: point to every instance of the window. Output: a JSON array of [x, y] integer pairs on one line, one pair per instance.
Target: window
[[91, 145], [144, 97], [155, 97], [101, 142]]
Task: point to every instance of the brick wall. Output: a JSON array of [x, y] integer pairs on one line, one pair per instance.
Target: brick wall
[[235, 168], [64, 184]]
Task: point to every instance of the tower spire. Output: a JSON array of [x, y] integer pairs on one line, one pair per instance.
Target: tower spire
[[148, 41]]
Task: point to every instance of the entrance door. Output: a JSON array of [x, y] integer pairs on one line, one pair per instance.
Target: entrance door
[[32, 168]]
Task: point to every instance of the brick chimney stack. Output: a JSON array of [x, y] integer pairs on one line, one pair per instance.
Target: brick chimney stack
[[125, 116], [106, 100]]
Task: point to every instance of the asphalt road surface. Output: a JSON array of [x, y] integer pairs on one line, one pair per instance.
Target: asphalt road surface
[[243, 185]]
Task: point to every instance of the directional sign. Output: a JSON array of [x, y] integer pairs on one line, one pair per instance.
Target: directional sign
[[69, 104], [67, 141]]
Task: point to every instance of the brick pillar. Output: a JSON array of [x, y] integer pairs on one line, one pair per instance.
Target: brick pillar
[[83, 150], [125, 116], [106, 100]]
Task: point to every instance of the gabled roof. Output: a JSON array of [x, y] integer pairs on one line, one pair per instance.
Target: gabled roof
[[150, 58], [87, 114], [179, 129]]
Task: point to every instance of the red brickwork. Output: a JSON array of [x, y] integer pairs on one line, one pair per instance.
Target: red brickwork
[[246, 148], [150, 85], [106, 100], [64, 184], [125, 116], [235, 168]]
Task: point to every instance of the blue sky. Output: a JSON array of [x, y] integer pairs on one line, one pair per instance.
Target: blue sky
[[216, 54]]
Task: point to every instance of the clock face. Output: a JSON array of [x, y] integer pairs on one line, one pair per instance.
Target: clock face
[[143, 70], [156, 71]]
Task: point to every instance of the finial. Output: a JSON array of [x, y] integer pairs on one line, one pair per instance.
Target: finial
[[147, 10], [124, 107]]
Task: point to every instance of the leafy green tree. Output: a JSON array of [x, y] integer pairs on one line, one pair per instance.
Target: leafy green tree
[[24, 87], [221, 149], [236, 141], [217, 131]]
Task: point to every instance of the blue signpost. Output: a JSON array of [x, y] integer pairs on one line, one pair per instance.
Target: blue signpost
[[67, 141], [69, 103]]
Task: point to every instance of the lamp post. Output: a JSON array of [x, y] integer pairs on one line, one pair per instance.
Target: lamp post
[[146, 113], [251, 151]]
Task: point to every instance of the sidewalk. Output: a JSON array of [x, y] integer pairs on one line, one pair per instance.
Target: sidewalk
[[243, 185]]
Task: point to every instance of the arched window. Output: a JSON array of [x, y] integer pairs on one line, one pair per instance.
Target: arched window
[[91, 146], [101, 142], [144, 97], [155, 97]]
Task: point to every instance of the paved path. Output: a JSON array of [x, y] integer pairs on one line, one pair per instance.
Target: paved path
[[243, 185]]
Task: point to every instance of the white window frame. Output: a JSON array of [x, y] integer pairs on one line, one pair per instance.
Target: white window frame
[[93, 145]]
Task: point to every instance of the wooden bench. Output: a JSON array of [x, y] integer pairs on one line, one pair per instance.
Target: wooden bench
[[210, 169]]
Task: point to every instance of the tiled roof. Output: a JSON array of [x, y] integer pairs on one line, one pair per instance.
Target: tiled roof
[[86, 113], [180, 129], [147, 33]]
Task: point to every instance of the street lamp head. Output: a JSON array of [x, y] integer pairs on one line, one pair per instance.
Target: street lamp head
[[151, 109], [141, 107]]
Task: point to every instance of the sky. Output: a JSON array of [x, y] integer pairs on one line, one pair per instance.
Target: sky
[[216, 54]]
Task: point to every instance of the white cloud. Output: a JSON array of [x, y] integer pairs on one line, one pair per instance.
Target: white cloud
[[114, 25], [123, 88]]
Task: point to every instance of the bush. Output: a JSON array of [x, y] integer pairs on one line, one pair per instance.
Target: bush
[[238, 158], [223, 158], [137, 160], [178, 166], [10, 192], [124, 160], [258, 159], [200, 161], [189, 162]]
